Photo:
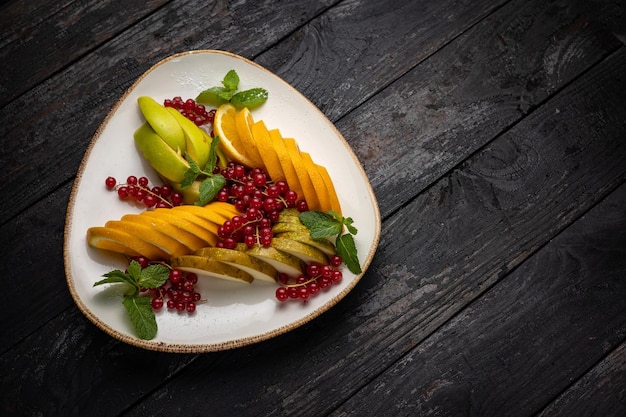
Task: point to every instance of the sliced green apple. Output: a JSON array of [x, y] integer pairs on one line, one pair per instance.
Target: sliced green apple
[[163, 123], [167, 162], [197, 141]]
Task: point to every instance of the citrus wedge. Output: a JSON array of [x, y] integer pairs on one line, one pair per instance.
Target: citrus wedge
[[243, 122], [230, 143], [121, 242], [332, 193], [263, 139], [286, 166], [307, 190], [318, 183]]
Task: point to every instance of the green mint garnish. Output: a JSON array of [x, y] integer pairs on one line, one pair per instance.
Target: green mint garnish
[[212, 183], [141, 316], [139, 308], [227, 93], [323, 225]]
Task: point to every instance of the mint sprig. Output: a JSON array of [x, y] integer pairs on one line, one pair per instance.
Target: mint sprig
[[324, 225], [212, 184], [227, 93], [139, 308]]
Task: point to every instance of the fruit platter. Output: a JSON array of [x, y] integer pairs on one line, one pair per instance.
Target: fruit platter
[[215, 207]]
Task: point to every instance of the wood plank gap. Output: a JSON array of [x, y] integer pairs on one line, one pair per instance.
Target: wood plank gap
[[504, 131]]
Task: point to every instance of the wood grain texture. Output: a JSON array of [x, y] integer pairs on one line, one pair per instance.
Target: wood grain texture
[[470, 91], [35, 123], [56, 34], [67, 383], [464, 233], [600, 392], [33, 263], [346, 55], [496, 286], [513, 340]]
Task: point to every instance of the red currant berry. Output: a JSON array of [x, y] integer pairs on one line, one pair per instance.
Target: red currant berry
[[336, 260], [110, 183], [282, 294], [157, 303]]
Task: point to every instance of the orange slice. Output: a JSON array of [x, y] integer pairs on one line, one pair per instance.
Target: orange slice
[[124, 243], [308, 191], [268, 153], [167, 244], [230, 143], [285, 164], [318, 183], [332, 193], [243, 123]]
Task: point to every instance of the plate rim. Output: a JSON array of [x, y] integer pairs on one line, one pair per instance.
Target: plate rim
[[162, 346]]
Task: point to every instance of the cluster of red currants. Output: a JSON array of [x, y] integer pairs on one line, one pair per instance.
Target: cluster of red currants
[[139, 190], [193, 111], [259, 201], [317, 277], [178, 293]]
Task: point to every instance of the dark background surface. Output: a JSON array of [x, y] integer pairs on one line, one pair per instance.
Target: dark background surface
[[494, 135]]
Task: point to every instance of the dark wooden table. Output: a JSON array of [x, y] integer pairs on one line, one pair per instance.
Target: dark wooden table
[[493, 133]]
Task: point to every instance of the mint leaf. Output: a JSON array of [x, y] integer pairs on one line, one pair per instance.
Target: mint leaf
[[347, 250], [231, 80], [191, 174], [141, 316], [153, 276], [212, 161], [209, 188], [134, 270], [227, 93], [214, 96], [320, 224], [251, 98], [114, 277]]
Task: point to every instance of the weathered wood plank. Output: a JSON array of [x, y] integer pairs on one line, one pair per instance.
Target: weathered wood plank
[[56, 34], [455, 102], [68, 383], [438, 254], [526, 339], [600, 392], [32, 245], [70, 105]]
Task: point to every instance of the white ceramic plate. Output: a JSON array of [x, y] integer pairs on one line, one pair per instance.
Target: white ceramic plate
[[234, 314]]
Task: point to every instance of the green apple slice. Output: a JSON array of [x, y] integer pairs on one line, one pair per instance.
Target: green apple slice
[[167, 162], [203, 266], [259, 269], [163, 123], [197, 141]]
